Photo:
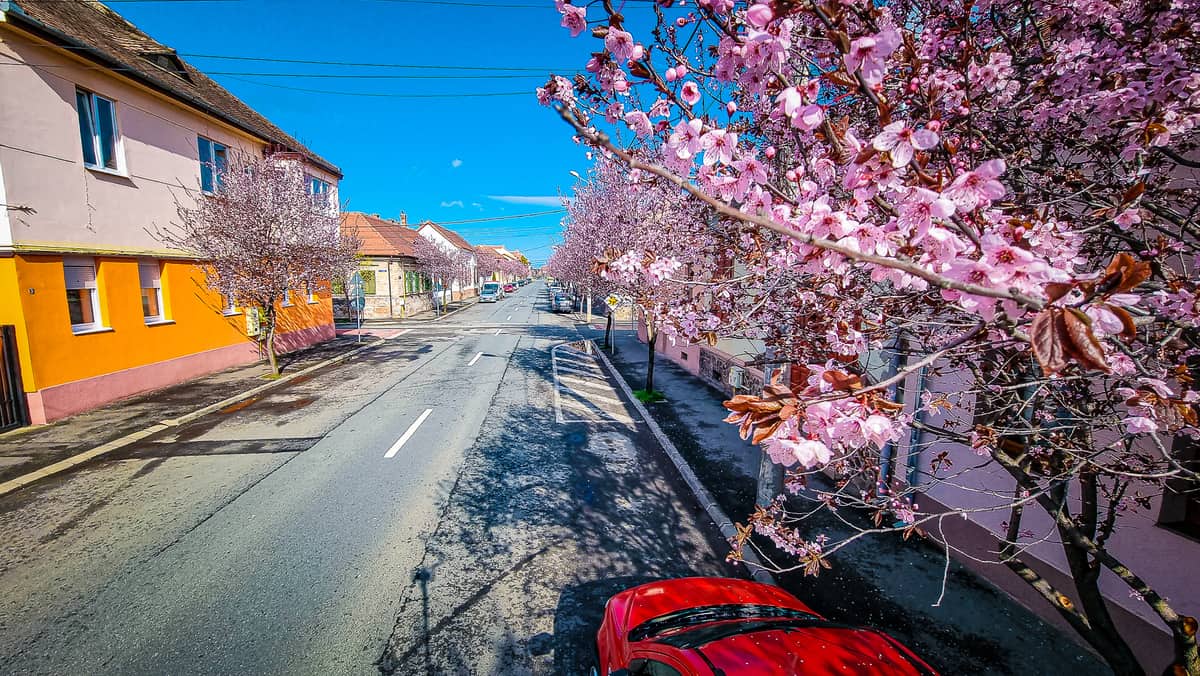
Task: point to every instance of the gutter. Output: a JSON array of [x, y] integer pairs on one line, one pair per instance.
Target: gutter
[[9, 11]]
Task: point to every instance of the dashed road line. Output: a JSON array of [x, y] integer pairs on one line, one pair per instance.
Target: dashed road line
[[475, 359], [412, 429]]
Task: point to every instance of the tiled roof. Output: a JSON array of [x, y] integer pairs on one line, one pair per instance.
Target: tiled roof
[[451, 236], [91, 30], [379, 236]]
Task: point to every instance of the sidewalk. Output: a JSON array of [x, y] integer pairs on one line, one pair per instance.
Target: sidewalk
[[423, 316], [30, 448], [881, 581]]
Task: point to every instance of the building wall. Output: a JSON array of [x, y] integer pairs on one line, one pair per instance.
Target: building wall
[[66, 208], [391, 299]]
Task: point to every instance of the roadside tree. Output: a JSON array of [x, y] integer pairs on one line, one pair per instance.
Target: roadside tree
[[261, 236], [1002, 192]]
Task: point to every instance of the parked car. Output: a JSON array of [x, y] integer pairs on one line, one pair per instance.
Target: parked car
[[490, 293], [706, 625], [560, 303], [509, 288]]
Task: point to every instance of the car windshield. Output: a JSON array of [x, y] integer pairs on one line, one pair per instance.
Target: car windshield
[[490, 287], [692, 617]]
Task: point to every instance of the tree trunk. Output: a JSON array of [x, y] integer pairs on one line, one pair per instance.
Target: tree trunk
[[269, 317], [651, 339]]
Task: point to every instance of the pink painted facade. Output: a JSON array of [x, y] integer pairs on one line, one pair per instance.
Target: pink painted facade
[[79, 223]]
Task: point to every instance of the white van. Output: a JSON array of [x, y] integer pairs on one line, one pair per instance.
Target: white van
[[490, 293]]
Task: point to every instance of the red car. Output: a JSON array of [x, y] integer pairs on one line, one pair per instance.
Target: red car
[[708, 625], [509, 288]]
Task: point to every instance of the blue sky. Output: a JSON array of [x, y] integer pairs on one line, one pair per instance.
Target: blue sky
[[444, 159]]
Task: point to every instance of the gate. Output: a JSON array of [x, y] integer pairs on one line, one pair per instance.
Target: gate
[[13, 412]]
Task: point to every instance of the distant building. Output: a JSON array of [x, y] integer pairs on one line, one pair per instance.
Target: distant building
[[393, 286], [451, 241], [101, 130]]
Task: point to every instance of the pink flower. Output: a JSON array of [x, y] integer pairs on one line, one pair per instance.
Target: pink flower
[[759, 15], [639, 122], [574, 19], [900, 142], [690, 93], [1127, 219], [685, 140], [802, 116], [619, 43], [870, 54], [1140, 425], [979, 187], [918, 211], [719, 146]]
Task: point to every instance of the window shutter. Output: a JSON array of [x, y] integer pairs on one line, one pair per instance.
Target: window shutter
[[148, 272], [80, 276]]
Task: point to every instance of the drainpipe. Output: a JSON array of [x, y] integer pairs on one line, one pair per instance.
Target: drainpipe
[[391, 298], [916, 433], [896, 394]]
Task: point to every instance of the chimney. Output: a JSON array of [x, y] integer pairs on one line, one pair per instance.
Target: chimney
[[403, 218]]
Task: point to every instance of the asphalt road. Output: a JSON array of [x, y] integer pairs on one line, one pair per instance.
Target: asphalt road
[[425, 507]]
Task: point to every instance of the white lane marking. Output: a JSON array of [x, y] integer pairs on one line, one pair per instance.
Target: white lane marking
[[508, 318], [595, 410], [581, 372], [402, 333], [475, 359], [590, 395], [391, 452], [580, 362], [588, 383], [497, 332]]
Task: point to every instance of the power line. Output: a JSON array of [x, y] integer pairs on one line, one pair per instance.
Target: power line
[[502, 218], [360, 64], [381, 94], [363, 76]]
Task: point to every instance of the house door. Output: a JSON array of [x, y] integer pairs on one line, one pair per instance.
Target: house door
[[13, 412]]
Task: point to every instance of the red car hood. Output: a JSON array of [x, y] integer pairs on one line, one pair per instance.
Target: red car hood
[[813, 651], [646, 602]]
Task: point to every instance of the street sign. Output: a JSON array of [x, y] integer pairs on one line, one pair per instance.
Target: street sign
[[356, 290], [614, 301]]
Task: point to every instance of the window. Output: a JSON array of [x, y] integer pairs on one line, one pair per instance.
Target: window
[[287, 299], [98, 131], [83, 301], [149, 273], [310, 293], [228, 307], [368, 277], [213, 158], [320, 191]]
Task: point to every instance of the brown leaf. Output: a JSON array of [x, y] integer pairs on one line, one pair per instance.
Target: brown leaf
[[1129, 329], [1132, 273], [1047, 340], [762, 431], [1056, 290], [1135, 191], [842, 381], [1085, 347]]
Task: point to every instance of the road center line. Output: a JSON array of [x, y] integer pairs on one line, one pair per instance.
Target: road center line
[[508, 318], [475, 359], [497, 332], [407, 434]]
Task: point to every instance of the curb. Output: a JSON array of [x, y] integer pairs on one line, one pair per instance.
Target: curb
[[706, 500], [121, 442]]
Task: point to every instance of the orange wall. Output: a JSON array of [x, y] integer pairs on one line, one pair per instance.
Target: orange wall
[[53, 355]]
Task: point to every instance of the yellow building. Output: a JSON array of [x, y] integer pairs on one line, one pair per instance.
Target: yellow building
[[101, 130]]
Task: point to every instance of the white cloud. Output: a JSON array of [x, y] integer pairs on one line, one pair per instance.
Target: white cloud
[[477, 205], [542, 200], [453, 203], [456, 163]]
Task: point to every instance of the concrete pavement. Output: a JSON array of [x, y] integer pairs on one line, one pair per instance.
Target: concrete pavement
[[320, 529]]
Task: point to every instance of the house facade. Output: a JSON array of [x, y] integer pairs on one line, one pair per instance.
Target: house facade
[[451, 241], [393, 286], [103, 131]]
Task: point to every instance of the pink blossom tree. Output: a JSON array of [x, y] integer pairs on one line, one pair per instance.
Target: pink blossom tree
[[443, 266], [261, 236], [1003, 191]]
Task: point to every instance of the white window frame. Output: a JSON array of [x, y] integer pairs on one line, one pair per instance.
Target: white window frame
[[310, 294], [156, 284], [287, 299], [97, 323], [320, 190], [229, 309], [90, 116], [216, 168]]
